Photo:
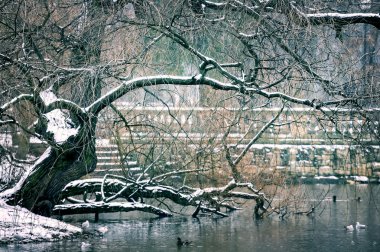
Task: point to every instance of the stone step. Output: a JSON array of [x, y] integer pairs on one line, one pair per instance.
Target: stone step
[[111, 165], [115, 159], [108, 159], [134, 172], [107, 153]]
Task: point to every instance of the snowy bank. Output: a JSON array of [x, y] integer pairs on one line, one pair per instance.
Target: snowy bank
[[20, 225]]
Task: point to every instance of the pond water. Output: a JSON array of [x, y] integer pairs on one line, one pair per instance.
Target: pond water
[[241, 231]]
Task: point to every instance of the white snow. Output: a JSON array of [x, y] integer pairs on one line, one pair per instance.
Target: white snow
[[60, 125], [303, 146], [87, 182], [129, 106], [20, 225], [198, 77], [326, 177], [8, 172], [344, 15], [5, 139], [360, 178], [25, 175], [48, 96], [35, 140], [102, 142]]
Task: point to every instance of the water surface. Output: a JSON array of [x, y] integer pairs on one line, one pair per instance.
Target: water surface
[[241, 231]]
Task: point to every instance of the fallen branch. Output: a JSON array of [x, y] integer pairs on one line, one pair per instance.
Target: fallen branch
[[101, 207], [206, 200]]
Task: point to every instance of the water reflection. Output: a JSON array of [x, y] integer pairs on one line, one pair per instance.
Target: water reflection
[[241, 232]]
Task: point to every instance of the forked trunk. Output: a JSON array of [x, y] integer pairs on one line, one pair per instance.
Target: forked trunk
[[39, 189]]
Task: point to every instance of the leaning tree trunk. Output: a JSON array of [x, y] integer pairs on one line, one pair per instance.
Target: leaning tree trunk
[[39, 189]]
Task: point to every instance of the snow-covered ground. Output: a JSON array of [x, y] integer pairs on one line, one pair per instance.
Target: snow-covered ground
[[20, 225]]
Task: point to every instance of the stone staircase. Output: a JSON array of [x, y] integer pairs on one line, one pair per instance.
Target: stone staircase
[[109, 161]]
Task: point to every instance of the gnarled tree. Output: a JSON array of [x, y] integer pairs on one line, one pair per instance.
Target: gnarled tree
[[63, 58]]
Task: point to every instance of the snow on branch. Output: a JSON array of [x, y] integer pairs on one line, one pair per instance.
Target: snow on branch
[[101, 207], [60, 125], [51, 102], [206, 199], [147, 81], [57, 115], [9, 194], [344, 19], [136, 83], [22, 97], [339, 19]]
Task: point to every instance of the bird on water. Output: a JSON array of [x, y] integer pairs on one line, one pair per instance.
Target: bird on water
[[182, 243], [86, 225], [360, 226], [349, 228]]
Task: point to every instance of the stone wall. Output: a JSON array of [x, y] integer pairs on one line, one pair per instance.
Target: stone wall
[[306, 160], [304, 141]]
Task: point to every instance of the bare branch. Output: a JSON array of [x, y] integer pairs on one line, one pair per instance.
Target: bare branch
[[256, 137], [22, 97]]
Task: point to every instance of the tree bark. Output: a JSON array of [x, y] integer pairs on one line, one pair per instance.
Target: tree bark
[[39, 189]]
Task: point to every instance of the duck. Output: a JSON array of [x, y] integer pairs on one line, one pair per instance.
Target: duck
[[349, 228], [86, 225], [103, 230], [360, 226], [182, 243], [85, 245]]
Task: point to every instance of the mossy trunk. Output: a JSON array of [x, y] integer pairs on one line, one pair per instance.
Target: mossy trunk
[[39, 190]]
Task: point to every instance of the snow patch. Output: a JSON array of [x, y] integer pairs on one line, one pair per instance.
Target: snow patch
[[360, 178], [198, 77], [326, 177], [20, 225], [48, 97], [345, 15], [60, 125]]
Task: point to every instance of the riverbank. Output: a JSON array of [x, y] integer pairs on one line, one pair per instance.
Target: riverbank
[[22, 226], [337, 180]]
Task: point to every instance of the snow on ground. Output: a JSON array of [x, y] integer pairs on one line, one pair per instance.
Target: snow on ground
[[20, 225]]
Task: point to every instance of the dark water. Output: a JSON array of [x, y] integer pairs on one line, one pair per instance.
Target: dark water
[[241, 231]]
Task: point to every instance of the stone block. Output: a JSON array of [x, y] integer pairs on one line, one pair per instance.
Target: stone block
[[325, 170]]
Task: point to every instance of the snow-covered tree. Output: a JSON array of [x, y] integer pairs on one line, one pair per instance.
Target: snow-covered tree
[[63, 62]]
